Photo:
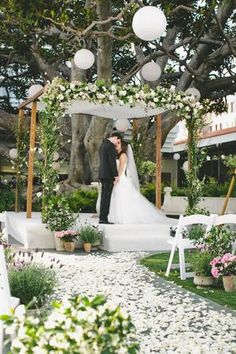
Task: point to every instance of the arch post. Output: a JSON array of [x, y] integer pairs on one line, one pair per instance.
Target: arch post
[[158, 161], [19, 131], [31, 159]]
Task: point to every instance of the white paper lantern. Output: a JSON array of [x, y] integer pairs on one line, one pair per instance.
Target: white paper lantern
[[185, 166], [149, 23], [13, 153], [56, 156], [176, 156], [122, 125], [84, 59], [34, 89], [193, 92], [151, 71]]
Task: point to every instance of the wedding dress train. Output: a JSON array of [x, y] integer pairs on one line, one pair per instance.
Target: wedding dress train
[[129, 206]]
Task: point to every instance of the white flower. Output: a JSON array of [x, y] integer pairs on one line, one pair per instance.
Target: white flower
[[39, 194], [62, 88]]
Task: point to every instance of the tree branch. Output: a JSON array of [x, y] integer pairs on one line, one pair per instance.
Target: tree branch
[[224, 35]]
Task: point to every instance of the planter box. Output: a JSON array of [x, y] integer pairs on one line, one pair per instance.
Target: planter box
[[177, 205]]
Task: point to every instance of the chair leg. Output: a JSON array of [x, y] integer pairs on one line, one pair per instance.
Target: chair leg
[[182, 263], [170, 260]]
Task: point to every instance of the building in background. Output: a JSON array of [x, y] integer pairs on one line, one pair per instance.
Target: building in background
[[218, 138]]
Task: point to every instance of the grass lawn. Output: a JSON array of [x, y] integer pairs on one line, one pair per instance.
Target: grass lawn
[[158, 264]]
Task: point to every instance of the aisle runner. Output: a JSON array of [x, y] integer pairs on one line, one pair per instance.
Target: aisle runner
[[167, 319]]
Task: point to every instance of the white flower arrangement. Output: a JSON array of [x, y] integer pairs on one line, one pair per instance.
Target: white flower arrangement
[[62, 91], [76, 325]]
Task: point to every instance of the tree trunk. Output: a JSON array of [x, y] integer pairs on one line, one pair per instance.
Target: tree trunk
[[79, 171], [99, 126]]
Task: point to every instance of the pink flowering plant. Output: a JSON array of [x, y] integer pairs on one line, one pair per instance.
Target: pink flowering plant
[[67, 235], [225, 265]]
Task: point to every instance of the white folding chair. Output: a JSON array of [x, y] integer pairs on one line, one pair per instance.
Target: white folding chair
[[227, 219], [180, 243], [4, 228], [6, 301]]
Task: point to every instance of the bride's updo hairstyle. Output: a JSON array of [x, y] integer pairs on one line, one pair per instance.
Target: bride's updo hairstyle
[[124, 148]]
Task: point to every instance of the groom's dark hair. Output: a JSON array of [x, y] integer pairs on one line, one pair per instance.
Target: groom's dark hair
[[117, 134]]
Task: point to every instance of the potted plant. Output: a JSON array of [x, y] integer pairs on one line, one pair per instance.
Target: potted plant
[[219, 240], [90, 235], [68, 238], [59, 216], [225, 266], [200, 261]]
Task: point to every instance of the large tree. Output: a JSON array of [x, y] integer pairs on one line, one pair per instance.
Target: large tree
[[39, 37]]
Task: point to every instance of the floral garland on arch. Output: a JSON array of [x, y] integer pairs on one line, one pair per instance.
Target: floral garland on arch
[[60, 93]]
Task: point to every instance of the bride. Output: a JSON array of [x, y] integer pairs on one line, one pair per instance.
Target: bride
[[128, 205]]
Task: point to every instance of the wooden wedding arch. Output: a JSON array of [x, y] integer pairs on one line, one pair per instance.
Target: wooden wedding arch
[[104, 111]]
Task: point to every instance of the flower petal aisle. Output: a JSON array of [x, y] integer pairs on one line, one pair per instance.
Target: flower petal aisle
[[167, 318]]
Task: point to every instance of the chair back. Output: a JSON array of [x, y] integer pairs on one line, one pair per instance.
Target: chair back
[[224, 219], [184, 221], [3, 221], [5, 297]]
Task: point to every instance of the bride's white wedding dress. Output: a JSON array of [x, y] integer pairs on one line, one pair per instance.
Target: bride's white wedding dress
[[129, 206]]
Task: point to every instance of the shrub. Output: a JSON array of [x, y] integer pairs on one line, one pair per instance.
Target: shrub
[[77, 325], [58, 215], [219, 240], [196, 232], [147, 168], [149, 191], [83, 200], [200, 261], [90, 234], [7, 199], [31, 283]]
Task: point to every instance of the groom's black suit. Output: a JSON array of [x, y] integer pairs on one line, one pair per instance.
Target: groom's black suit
[[107, 173]]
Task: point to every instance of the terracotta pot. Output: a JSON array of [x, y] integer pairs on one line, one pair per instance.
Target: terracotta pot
[[59, 244], [69, 246], [203, 280], [229, 282], [87, 247]]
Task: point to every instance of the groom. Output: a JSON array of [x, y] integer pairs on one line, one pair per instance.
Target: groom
[[108, 174]]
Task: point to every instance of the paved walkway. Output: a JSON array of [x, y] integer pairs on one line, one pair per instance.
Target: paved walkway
[[167, 318]]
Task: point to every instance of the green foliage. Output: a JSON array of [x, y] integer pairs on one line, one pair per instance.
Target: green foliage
[[58, 214], [200, 262], [194, 123], [7, 198], [83, 200], [149, 191], [147, 168], [215, 189], [178, 192], [210, 189], [49, 137], [219, 240], [230, 161], [90, 234], [76, 325], [32, 284], [196, 232], [196, 210]]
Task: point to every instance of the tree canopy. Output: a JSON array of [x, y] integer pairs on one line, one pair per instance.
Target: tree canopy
[[39, 38]]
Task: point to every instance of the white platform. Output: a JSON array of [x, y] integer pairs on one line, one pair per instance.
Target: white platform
[[33, 234]]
